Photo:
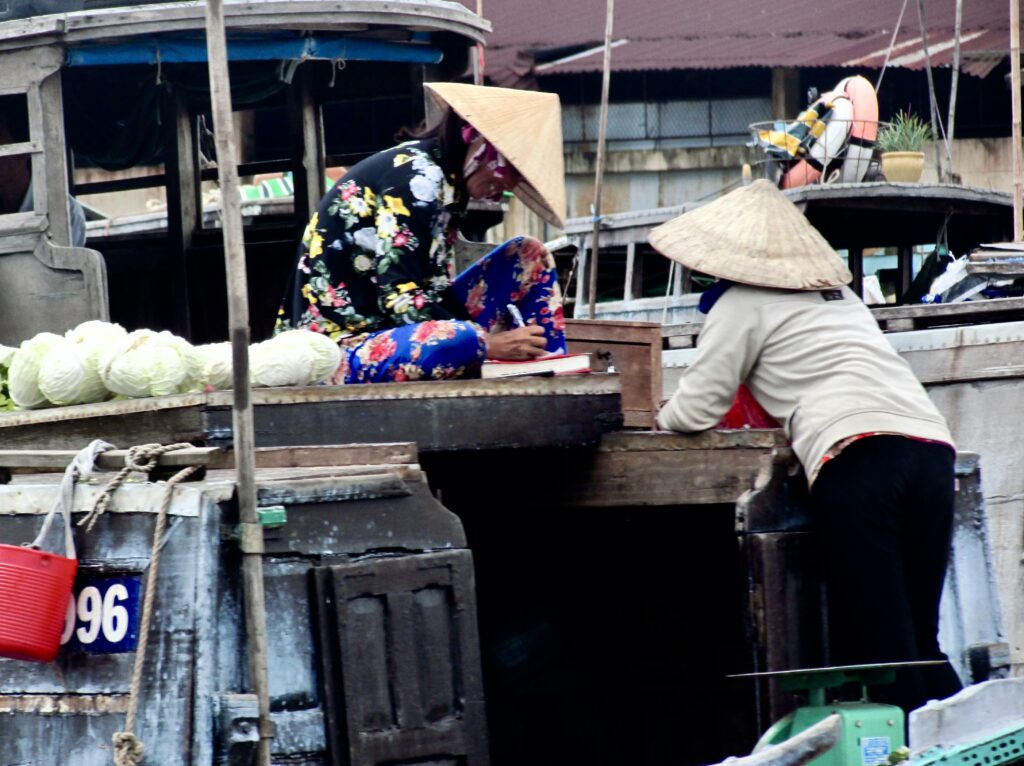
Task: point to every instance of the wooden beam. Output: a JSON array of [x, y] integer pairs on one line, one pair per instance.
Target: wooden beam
[[242, 410], [307, 133], [856, 261], [666, 469], [632, 284], [602, 131], [183, 202], [46, 116], [1015, 127], [785, 93], [215, 458], [904, 271]]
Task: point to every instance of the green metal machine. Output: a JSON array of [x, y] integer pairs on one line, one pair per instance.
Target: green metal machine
[[871, 731]]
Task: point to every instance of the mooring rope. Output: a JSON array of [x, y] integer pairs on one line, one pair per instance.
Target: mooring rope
[[128, 748]]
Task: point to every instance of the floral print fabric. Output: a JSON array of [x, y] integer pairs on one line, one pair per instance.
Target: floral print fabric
[[378, 251], [520, 272]]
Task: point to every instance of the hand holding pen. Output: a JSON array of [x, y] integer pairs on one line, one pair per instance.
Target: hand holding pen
[[525, 341]]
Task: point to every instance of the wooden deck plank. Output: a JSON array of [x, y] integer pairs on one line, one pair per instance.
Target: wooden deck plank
[[570, 410]]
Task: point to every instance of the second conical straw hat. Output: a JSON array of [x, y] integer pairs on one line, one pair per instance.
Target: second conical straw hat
[[756, 236], [526, 127]]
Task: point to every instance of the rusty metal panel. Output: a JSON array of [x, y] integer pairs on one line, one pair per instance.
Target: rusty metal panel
[[401, 663]]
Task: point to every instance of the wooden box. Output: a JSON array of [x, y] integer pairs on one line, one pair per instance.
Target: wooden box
[[633, 349]]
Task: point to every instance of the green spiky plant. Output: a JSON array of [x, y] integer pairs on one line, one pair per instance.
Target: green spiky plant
[[906, 133]]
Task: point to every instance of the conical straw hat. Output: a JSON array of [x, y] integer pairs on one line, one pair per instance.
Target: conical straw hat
[[756, 236], [526, 127]]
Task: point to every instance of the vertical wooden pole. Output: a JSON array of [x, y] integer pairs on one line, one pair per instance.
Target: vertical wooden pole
[[937, 130], [478, 51], [955, 75], [183, 204], [46, 107], [602, 134], [307, 140], [238, 323], [904, 272], [1018, 171]]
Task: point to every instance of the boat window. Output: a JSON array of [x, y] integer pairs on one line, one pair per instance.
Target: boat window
[[16, 151]]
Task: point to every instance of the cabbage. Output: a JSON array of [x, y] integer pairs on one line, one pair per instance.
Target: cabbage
[[23, 375], [64, 377], [325, 350], [281, 363], [215, 368], [90, 340], [96, 335], [148, 363], [6, 354]]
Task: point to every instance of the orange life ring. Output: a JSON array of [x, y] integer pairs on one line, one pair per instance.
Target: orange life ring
[[849, 136], [863, 129]]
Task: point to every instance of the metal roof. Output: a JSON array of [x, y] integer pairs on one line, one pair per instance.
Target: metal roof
[[685, 34]]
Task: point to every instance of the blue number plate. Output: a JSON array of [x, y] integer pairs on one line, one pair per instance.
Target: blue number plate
[[103, 615]]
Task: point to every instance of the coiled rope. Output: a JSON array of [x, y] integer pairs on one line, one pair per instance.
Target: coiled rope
[[129, 750]]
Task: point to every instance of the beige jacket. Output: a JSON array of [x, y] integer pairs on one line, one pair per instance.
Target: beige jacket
[[815, 360]]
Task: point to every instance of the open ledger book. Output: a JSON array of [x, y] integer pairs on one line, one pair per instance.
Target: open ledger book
[[556, 364]]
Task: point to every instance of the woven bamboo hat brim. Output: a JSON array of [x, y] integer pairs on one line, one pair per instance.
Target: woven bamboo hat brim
[[526, 127], [755, 236]]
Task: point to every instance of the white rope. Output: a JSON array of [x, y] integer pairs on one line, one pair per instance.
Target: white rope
[[128, 748], [82, 465]]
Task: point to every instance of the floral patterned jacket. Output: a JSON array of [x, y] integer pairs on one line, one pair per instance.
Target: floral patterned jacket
[[378, 252]]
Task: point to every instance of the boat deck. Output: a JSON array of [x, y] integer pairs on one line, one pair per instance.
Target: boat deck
[[562, 411]]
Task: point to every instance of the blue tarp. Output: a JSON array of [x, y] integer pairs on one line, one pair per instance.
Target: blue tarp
[[187, 50]]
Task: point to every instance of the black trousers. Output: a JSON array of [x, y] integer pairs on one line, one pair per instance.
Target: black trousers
[[884, 506]]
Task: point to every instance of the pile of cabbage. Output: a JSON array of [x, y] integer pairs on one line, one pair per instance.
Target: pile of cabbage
[[98, 360]]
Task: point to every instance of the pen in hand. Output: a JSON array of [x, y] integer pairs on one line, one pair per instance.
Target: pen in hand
[[516, 315]]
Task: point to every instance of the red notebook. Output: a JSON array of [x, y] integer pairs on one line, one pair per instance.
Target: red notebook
[[556, 364]]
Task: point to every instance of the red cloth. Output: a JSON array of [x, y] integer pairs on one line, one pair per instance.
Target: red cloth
[[746, 412]]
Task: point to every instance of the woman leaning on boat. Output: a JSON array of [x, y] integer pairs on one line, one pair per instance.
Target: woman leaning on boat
[[878, 456], [374, 269]]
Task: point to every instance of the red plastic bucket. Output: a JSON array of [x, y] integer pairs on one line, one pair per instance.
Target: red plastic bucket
[[34, 590]]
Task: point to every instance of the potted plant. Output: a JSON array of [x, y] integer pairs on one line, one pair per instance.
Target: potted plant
[[901, 143]]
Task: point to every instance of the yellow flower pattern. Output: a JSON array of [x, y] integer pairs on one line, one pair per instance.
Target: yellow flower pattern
[[379, 250]]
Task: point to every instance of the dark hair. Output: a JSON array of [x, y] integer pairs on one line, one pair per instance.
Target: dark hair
[[447, 131]]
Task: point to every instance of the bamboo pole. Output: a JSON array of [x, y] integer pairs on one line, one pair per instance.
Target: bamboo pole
[[1018, 171], [602, 134], [955, 75], [937, 130], [242, 415], [478, 51]]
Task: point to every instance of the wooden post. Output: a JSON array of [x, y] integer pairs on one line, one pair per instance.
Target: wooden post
[[955, 75], [856, 263], [602, 133], [307, 138], [242, 412], [937, 130], [478, 51], [634, 280], [46, 108], [184, 202], [904, 272], [1018, 171]]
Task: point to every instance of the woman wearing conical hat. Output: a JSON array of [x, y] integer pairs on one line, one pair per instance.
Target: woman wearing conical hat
[[374, 269], [877, 454]]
